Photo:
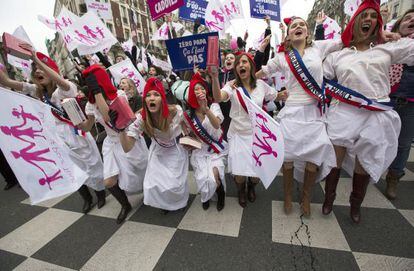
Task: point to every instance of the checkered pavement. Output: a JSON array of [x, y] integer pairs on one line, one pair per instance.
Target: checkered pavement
[[55, 235]]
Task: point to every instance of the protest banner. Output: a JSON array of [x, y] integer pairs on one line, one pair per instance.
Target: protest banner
[[260, 8], [193, 9], [186, 52], [126, 69], [103, 10], [160, 7], [219, 14]]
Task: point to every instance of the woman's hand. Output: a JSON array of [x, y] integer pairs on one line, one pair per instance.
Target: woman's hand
[[390, 36], [282, 95], [212, 71], [265, 43], [203, 103], [28, 47], [320, 17]]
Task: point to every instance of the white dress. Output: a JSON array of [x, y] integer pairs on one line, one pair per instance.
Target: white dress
[[83, 150], [372, 136], [240, 134], [130, 167], [204, 160], [303, 127], [165, 183]]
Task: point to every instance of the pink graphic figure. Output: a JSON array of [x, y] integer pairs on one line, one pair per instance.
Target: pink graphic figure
[[18, 133], [89, 32], [228, 11], [85, 39], [213, 25], [330, 36], [58, 26], [235, 8], [100, 32], [33, 157], [68, 38], [25, 116], [218, 16], [263, 127], [66, 21], [50, 179], [262, 142]]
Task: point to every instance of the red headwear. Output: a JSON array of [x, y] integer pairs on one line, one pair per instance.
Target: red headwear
[[103, 80], [155, 84], [192, 99], [48, 61], [348, 32], [249, 56], [288, 20]]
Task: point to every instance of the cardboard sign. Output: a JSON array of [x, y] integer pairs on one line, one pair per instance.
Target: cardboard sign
[[160, 7]]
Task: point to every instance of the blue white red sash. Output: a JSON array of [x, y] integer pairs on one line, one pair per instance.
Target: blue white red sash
[[305, 79], [354, 98], [240, 98], [197, 127], [62, 116]]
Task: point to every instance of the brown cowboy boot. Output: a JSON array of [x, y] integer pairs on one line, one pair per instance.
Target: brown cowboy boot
[[287, 189], [359, 189], [241, 188], [392, 180], [308, 182], [331, 182]]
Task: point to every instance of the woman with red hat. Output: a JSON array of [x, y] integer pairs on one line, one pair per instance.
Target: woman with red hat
[[309, 154], [204, 119], [361, 123], [240, 130], [123, 172], [52, 88], [165, 183]]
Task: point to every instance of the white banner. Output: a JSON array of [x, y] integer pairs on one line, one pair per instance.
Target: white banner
[[144, 59], [162, 32], [219, 14], [103, 10], [268, 148], [350, 6], [126, 69], [23, 64], [332, 29], [38, 157], [20, 33]]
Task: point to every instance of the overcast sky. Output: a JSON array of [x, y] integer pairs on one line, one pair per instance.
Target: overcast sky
[[14, 13]]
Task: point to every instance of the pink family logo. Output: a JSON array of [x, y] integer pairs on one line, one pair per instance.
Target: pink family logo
[[90, 37], [26, 133], [66, 21], [219, 16], [131, 75], [261, 139]]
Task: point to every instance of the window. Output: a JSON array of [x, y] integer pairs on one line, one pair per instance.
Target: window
[[395, 11], [110, 27], [126, 34]]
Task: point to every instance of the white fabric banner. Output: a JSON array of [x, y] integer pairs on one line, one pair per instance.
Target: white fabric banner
[[144, 59], [350, 6], [332, 29], [268, 148], [23, 64], [162, 32], [124, 69], [103, 10], [38, 157], [219, 14]]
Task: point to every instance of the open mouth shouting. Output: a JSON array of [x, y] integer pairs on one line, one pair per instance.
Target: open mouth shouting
[[152, 105], [242, 71], [365, 27], [298, 33]]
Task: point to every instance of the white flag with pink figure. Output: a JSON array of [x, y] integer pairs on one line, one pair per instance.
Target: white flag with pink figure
[[268, 147], [30, 143], [219, 14], [126, 69], [332, 29]]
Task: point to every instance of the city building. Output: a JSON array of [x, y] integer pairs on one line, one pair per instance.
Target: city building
[[396, 8], [332, 8]]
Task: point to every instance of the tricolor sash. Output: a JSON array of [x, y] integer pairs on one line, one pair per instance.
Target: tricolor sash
[[240, 98], [305, 79], [197, 127], [354, 98]]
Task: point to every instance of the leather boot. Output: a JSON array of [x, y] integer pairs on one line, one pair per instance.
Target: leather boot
[[121, 197], [241, 188], [87, 198], [251, 193], [392, 180], [331, 182], [287, 189], [359, 188], [206, 205], [308, 182], [101, 198], [221, 196]]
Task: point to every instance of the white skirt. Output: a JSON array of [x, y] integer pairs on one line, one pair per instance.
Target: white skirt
[[203, 163], [165, 183], [130, 167], [306, 140], [85, 154], [371, 136], [240, 161]]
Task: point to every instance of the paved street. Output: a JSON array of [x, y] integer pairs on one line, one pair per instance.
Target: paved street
[[55, 235]]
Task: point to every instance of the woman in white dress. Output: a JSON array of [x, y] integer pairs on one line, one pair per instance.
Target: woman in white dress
[[240, 130], [50, 87], [365, 135], [165, 183], [123, 172], [309, 154], [204, 118]]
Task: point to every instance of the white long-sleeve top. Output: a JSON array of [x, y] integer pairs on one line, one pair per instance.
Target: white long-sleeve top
[[312, 58], [367, 72]]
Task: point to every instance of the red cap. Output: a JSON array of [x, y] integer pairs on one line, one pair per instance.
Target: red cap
[[48, 61], [288, 20], [103, 80], [348, 32], [249, 56], [154, 84], [192, 99]]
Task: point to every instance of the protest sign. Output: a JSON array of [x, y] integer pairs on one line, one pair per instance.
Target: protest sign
[[158, 8], [103, 10], [193, 9], [260, 8]]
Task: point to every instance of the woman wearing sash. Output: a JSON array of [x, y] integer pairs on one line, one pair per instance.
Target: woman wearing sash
[[204, 120], [165, 183], [240, 130], [309, 154], [123, 172], [50, 87], [361, 123]]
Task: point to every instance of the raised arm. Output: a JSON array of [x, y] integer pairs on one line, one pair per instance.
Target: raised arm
[[218, 95], [10, 83]]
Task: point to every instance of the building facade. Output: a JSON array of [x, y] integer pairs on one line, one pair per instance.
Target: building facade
[[332, 8], [396, 8]]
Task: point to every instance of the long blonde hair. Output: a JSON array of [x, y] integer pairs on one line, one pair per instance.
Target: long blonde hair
[[148, 124]]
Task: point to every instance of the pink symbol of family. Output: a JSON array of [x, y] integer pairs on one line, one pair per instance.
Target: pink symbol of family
[[261, 140], [26, 133]]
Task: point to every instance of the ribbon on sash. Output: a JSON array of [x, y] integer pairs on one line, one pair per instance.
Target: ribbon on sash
[[305, 79], [354, 98], [62, 116], [195, 124]]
